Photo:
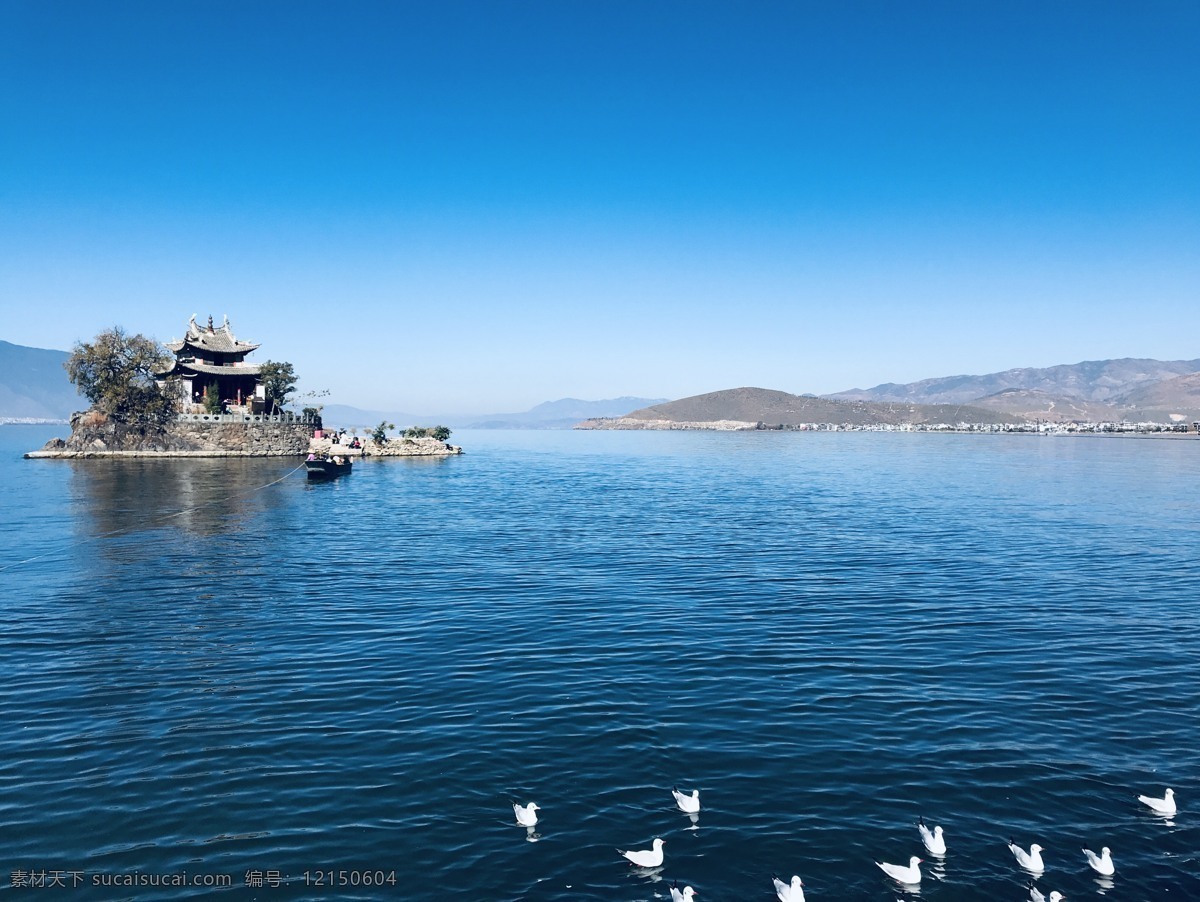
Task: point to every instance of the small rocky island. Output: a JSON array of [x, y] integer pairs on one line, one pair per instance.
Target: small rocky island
[[202, 399], [403, 446]]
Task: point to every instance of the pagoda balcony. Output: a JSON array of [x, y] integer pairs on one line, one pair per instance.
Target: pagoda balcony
[[286, 416]]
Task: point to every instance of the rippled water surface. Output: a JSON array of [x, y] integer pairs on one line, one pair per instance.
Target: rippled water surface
[[829, 635]]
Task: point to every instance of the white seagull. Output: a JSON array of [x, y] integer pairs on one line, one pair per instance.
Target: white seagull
[[935, 843], [646, 858], [1102, 863], [685, 896], [910, 873], [526, 814], [687, 804], [1031, 860], [789, 892], [1036, 895], [1165, 805]]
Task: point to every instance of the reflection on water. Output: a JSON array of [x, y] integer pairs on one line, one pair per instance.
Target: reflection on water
[[200, 496], [651, 875]]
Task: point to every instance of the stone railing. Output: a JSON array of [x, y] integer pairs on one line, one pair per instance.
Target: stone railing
[[285, 417]]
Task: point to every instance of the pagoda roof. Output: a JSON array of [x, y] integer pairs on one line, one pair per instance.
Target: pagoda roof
[[245, 369], [187, 366], [211, 339]]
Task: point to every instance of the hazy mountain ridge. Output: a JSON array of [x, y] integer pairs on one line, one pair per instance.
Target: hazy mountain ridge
[[561, 414], [34, 384]]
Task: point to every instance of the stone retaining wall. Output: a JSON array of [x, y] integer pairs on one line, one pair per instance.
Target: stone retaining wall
[[182, 439], [248, 439]]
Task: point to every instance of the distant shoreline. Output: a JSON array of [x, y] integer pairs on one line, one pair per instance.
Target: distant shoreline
[[626, 424]]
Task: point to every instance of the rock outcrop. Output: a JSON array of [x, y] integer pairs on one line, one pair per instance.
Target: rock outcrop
[[395, 447]]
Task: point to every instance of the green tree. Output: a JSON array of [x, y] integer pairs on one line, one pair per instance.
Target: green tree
[[379, 433], [116, 372], [212, 400], [278, 380], [441, 433]]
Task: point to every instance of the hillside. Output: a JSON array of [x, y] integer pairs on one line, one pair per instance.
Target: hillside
[[1177, 399], [1031, 404], [33, 384], [776, 408]]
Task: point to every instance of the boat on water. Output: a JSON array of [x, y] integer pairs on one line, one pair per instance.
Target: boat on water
[[327, 467]]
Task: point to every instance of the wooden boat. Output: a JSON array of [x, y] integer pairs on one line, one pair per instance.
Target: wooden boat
[[327, 467]]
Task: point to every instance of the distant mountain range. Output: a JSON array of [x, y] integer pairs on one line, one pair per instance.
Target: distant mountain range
[[34, 385], [1134, 389]]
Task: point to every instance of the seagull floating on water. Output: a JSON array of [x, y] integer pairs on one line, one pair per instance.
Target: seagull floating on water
[[646, 858], [688, 804], [1031, 860], [526, 814], [1164, 805], [1102, 863], [1035, 895], [910, 873], [935, 843], [789, 892], [685, 896]]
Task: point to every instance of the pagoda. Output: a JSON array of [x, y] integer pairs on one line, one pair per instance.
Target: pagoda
[[210, 359]]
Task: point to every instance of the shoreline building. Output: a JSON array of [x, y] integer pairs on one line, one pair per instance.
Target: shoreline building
[[210, 359]]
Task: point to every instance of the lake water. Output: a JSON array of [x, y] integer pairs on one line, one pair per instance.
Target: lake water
[[211, 667]]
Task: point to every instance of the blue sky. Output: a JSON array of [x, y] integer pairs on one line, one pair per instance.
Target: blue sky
[[475, 207]]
